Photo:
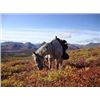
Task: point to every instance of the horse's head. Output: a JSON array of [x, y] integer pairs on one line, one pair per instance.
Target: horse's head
[[38, 60]]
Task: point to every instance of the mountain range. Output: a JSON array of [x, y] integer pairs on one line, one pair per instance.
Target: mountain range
[[28, 46]]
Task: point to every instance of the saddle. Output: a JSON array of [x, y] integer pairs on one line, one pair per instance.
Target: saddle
[[65, 47]]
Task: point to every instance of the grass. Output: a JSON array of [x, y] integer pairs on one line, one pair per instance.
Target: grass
[[81, 70]]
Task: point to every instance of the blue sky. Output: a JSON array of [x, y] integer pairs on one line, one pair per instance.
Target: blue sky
[[36, 28]]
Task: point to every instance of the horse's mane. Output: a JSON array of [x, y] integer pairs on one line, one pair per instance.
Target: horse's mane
[[64, 46], [63, 43]]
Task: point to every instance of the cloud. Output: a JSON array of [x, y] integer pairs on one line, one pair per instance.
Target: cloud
[[41, 29], [57, 30], [40, 35], [84, 36], [35, 35], [62, 35], [97, 39], [94, 40]]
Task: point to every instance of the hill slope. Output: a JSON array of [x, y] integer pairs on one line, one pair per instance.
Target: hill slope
[[82, 69]]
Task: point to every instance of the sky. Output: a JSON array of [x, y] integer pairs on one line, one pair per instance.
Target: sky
[[36, 28]]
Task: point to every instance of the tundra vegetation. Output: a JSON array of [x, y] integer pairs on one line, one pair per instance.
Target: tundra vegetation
[[82, 69]]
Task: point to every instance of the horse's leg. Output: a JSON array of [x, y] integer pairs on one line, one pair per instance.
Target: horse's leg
[[45, 63], [57, 64], [54, 62], [60, 63], [49, 62]]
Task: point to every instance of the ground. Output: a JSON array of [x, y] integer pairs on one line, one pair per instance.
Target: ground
[[81, 70]]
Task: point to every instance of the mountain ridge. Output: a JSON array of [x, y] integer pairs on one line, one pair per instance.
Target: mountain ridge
[[19, 46]]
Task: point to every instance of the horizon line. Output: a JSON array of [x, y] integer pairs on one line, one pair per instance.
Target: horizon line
[[2, 41]]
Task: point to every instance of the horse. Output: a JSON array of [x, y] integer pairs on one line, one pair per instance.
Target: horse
[[55, 51]]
